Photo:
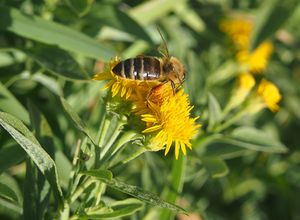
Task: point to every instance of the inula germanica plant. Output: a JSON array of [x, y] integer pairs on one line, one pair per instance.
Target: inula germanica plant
[[165, 113], [207, 130]]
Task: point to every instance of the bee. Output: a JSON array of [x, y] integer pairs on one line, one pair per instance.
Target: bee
[[164, 69]]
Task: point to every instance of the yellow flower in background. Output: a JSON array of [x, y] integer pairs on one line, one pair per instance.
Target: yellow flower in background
[[245, 84], [239, 31], [169, 118], [270, 94], [167, 115], [257, 60]]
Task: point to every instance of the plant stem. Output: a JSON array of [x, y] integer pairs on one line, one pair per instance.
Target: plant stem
[[81, 189], [177, 180]]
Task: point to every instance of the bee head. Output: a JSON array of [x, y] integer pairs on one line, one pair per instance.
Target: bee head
[[175, 70]]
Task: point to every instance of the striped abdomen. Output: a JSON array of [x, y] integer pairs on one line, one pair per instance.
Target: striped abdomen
[[140, 68]]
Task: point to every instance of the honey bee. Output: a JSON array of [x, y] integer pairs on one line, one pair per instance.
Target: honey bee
[[164, 69]]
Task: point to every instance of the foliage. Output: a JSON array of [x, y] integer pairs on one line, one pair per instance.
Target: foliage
[[69, 150]]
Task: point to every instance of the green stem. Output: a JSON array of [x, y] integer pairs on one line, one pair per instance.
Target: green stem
[[81, 189], [177, 180], [230, 121], [64, 215]]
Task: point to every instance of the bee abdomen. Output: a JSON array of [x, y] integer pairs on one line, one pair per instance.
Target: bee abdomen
[[140, 68]]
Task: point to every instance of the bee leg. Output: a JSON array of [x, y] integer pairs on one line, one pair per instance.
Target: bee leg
[[173, 87]]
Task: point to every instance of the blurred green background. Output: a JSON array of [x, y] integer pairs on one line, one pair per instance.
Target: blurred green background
[[51, 49]]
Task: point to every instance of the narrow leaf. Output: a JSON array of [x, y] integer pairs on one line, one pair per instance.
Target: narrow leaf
[[133, 191], [9, 103], [99, 174], [255, 139], [49, 32], [142, 195], [7, 193], [57, 61], [117, 209], [76, 119], [11, 155], [214, 111], [215, 166], [39, 156]]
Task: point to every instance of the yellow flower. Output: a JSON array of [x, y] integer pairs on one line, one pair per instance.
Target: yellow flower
[[257, 60], [245, 83], [270, 94], [169, 117], [125, 87], [239, 31]]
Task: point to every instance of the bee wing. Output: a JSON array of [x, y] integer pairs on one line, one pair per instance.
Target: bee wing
[[163, 48]]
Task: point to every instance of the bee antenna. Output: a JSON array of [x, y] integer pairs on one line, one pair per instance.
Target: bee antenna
[[164, 44]]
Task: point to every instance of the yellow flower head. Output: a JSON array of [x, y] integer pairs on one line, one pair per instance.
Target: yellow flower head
[[169, 118], [257, 60], [238, 31], [123, 86], [167, 115], [246, 81], [270, 94]]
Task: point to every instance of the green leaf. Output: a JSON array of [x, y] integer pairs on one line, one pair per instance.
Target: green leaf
[[11, 155], [272, 15], [153, 10], [7, 193], [254, 139], [49, 32], [113, 17], [215, 166], [106, 177], [223, 150], [57, 61], [81, 7], [99, 174], [177, 181], [76, 119], [214, 110], [116, 209], [142, 195], [32, 147], [9, 103], [190, 17]]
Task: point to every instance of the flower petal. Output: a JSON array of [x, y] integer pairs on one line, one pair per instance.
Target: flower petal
[[153, 128], [177, 148], [182, 145], [169, 143]]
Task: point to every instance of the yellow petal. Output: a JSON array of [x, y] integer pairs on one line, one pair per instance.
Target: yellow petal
[[151, 129], [149, 119], [183, 147], [115, 89], [123, 91], [169, 143], [102, 76], [109, 84], [177, 148], [128, 94]]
